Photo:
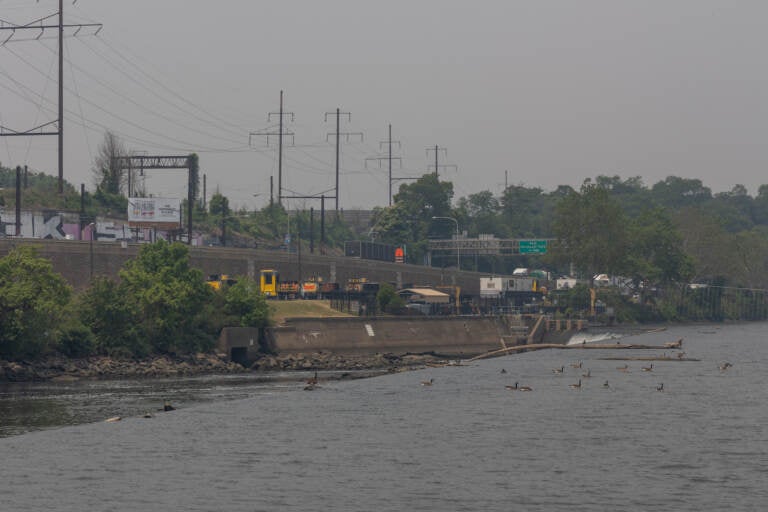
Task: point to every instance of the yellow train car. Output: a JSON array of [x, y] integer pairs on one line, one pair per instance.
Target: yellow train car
[[218, 281], [268, 280]]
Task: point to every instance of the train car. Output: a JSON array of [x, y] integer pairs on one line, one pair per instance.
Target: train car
[[328, 290], [309, 289], [288, 289], [219, 281], [268, 280], [355, 284]]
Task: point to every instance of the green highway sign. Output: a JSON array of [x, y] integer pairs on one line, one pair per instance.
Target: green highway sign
[[532, 246]]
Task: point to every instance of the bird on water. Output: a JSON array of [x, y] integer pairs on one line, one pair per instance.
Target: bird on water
[[576, 386], [427, 382], [559, 370], [660, 387], [517, 387], [648, 368]]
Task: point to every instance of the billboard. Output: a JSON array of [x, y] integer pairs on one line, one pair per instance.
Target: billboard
[[158, 212]]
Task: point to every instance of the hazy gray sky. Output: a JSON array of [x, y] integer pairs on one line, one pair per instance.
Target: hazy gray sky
[[552, 91]]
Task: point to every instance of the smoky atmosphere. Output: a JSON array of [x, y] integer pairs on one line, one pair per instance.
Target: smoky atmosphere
[[491, 92]]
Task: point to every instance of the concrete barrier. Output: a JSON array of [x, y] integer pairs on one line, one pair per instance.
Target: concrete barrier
[[446, 336]]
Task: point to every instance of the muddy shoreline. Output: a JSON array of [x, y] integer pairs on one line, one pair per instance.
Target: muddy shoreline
[[101, 367]]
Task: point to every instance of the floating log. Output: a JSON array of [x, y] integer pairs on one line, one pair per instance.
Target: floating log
[[580, 346], [673, 359]]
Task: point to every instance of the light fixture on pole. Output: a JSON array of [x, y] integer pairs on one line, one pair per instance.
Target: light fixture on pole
[[458, 249], [91, 228]]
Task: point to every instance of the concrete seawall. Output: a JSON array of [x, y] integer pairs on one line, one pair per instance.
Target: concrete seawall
[[449, 336]]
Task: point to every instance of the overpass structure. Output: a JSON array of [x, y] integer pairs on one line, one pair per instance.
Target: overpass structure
[[77, 261]]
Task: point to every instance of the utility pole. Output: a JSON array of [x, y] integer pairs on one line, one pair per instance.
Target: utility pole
[[280, 133], [437, 149], [338, 135], [389, 159], [18, 200], [42, 25]]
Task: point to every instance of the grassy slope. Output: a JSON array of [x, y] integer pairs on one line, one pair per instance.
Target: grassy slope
[[282, 309]]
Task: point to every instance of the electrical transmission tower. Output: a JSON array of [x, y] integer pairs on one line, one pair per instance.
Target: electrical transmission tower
[[280, 133], [437, 166], [43, 25], [338, 135], [389, 159]]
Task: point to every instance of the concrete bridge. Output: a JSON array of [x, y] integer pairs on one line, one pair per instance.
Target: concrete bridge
[[77, 261]]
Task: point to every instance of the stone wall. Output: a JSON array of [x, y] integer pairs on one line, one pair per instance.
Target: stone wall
[[76, 260]]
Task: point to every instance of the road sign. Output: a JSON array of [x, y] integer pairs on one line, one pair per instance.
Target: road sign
[[532, 246]]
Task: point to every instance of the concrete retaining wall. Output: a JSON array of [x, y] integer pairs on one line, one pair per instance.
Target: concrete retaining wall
[[459, 336]]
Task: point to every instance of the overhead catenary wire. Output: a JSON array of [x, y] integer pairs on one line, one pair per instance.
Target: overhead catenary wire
[[125, 97], [80, 108]]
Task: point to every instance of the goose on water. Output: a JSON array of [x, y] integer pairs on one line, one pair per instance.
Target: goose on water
[[517, 387]]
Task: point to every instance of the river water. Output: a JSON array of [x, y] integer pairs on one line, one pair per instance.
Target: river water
[[464, 443]]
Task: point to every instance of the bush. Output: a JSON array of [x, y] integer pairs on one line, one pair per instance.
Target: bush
[[388, 299], [76, 341], [33, 300]]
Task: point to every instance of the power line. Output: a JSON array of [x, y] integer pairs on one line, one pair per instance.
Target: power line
[[279, 134], [437, 149], [338, 135], [389, 158], [40, 25]]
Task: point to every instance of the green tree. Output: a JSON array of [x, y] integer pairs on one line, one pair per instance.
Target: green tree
[[656, 256], [591, 231], [409, 220], [675, 192], [523, 210], [480, 213], [388, 299], [113, 317], [33, 304], [170, 297], [245, 304]]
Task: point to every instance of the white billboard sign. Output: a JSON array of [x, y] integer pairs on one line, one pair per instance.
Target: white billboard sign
[[154, 210]]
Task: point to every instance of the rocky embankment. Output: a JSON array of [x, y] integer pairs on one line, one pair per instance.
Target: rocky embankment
[[64, 369], [328, 361]]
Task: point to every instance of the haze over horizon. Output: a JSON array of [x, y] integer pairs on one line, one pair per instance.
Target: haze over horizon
[[552, 91]]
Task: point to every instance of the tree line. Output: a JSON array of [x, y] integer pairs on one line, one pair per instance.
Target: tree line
[[160, 305]]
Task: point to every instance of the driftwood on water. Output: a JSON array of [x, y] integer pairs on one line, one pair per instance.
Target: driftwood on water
[[580, 346]]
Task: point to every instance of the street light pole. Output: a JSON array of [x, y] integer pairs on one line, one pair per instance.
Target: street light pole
[[458, 248], [92, 227]]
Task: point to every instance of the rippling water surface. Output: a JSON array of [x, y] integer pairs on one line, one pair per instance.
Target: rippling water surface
[[464, 443]]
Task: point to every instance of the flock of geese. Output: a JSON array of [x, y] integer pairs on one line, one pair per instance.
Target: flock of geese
[[312, 382], [586, 375]]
